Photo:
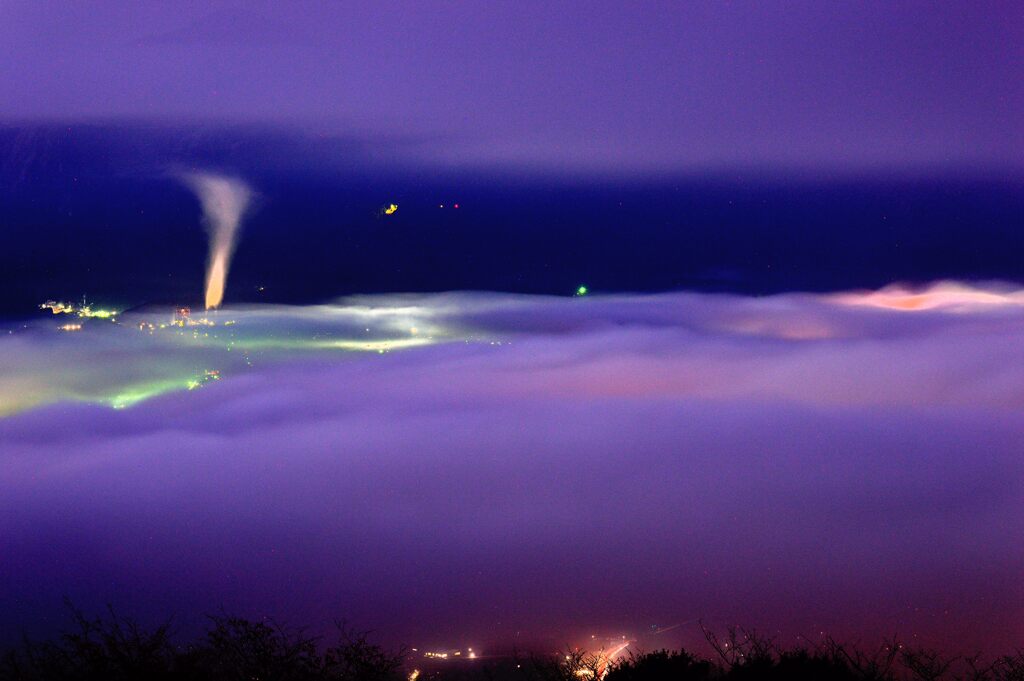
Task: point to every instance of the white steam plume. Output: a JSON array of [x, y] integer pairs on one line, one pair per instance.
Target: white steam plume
[[224, 200]]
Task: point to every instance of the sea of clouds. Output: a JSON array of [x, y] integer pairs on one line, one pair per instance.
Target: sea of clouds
[[462, 468]]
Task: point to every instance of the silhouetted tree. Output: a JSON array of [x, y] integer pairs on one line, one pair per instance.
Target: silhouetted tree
[[354, 658], [114, 648], [663, 665], [233, 649]]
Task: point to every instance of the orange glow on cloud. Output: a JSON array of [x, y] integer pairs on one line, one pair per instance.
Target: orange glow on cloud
[[941, 295]]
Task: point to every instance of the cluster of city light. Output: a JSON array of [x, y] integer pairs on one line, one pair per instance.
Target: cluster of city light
[[182, 318], [446, 654], [85, 310], [595, 664], [57, 307], [178, 342], [98, 314]]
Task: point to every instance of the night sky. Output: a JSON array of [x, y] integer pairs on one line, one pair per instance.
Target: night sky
[[415, 420], [610, 87]]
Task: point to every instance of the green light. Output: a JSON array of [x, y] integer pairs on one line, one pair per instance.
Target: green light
[[582, 291], [143, 391]]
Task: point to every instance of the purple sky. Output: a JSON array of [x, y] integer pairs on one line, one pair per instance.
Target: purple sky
[[597, 86]]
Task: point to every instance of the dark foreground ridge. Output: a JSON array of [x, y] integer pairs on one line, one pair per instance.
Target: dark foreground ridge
[[115, 648]]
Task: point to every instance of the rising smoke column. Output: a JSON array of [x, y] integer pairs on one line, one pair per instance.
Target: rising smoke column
[[224, 200]]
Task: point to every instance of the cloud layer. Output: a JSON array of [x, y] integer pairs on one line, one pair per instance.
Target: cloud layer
[[547, 466]]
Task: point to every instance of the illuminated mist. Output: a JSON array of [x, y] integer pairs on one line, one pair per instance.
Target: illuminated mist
[[224, 201], [847, 463]]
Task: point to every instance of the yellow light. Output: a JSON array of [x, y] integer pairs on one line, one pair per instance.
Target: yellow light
[[390, 210], [57, 307], [88, 312], [378, 346]]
